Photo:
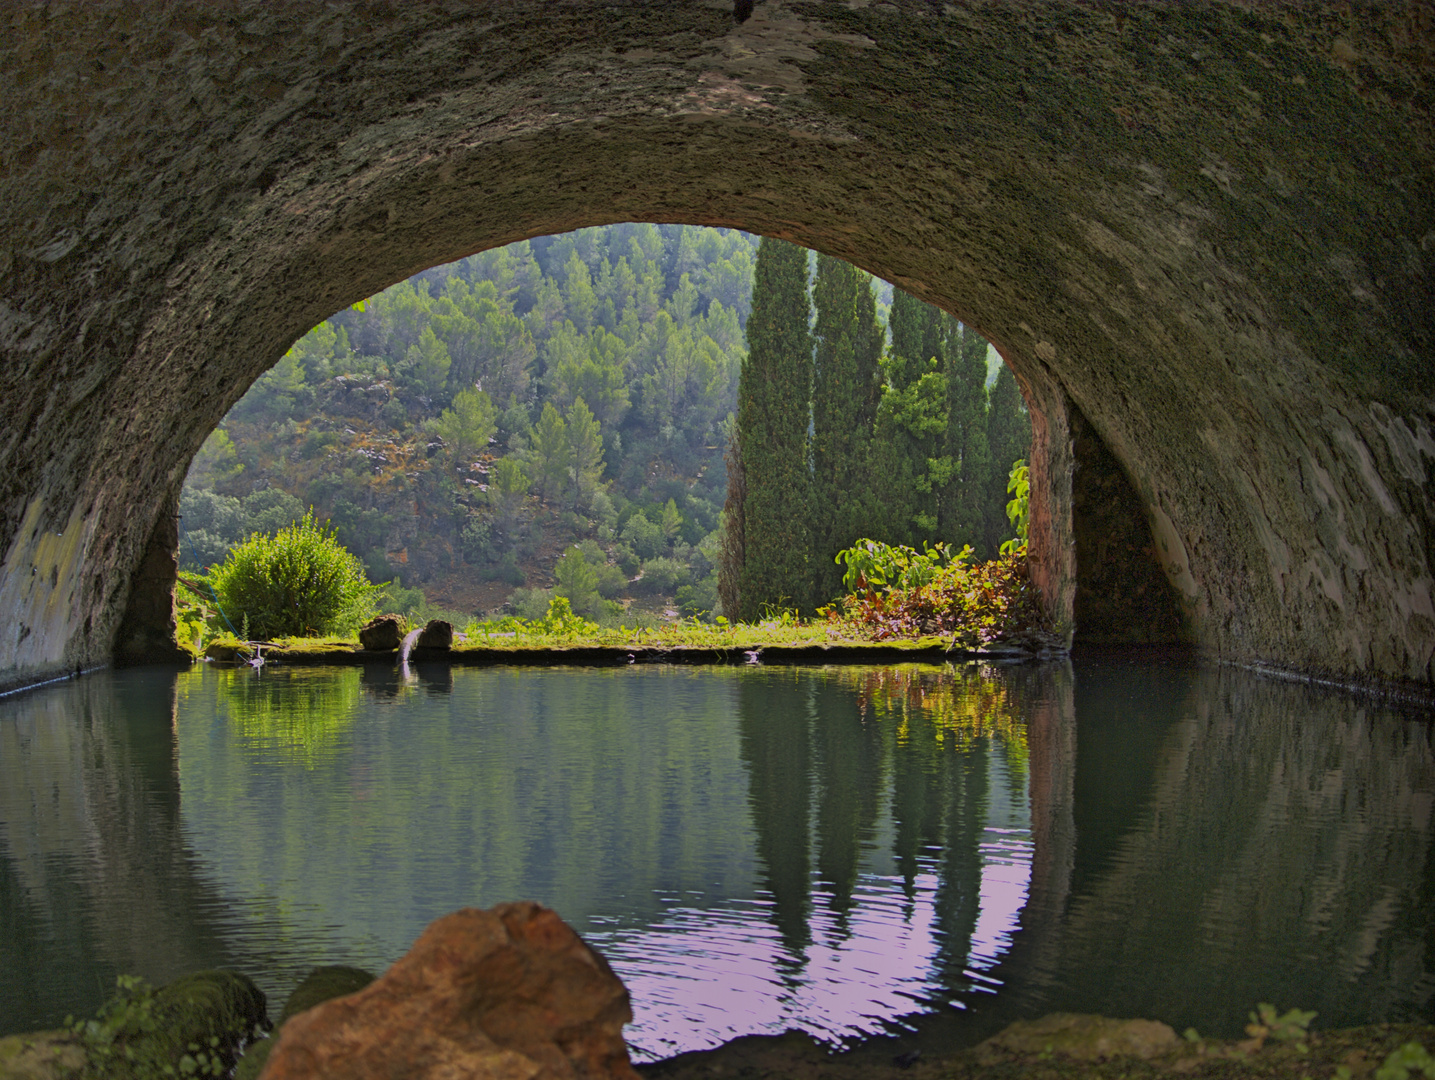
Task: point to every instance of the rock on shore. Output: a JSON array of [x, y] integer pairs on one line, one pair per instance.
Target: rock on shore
[[511, 992]]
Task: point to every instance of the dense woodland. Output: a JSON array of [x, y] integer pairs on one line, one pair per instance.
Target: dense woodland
[[555, 416]]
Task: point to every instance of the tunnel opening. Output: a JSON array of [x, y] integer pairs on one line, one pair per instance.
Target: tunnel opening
[[381, 367]]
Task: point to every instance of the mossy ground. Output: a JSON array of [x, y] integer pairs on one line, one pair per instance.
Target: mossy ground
[[1361, 1050]]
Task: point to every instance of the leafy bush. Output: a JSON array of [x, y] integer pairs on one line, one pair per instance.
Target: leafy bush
[[700, 598], [899, 592], [663, 575], [1018, 511], [577, 580], [531, 603], [397, 600], [644, 537], [300, 581], [270, 510], [506, 570], [627, 560], [611, 580], [872, 564]]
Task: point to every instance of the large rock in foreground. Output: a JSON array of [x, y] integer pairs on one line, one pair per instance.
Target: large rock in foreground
[[507, 993]]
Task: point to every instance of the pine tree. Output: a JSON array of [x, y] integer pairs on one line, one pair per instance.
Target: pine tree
[[773, 413], [585, 452], [550, 452], [1009, 436], [468, 425], [845, 387]]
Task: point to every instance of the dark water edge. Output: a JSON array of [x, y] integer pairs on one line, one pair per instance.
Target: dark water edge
[[1135, 906]]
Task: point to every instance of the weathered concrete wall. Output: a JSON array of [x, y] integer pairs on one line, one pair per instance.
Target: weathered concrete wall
[[1208, 226]]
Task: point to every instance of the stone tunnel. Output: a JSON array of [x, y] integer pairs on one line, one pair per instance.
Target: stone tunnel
[[1202, 235]]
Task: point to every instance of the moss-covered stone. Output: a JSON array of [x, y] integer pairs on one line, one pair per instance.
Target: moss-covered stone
[[320, 985], [40, 1055]]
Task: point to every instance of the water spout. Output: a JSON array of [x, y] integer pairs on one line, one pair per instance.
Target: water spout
[[404, 649]]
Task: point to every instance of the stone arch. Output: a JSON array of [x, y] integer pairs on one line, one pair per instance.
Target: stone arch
[[1203, 233]]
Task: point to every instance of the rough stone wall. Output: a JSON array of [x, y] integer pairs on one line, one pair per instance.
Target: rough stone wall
[[1122, 595], [1209, 226]]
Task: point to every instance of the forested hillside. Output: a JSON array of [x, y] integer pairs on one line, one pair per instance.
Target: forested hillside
[[549, 415]]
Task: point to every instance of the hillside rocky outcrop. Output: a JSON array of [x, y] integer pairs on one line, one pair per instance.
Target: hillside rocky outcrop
[[1204, 232]]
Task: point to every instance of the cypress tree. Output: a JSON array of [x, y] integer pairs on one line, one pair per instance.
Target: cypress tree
[[964, 502], [916, 330], [1009, 436], [773, 414], [907, 453], [845, 388]]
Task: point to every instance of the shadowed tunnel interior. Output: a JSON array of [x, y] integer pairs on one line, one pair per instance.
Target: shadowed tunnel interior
[[1200, 235]]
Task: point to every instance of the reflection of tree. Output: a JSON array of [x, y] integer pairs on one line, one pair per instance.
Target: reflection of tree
[[774, 740], [301, 714], [960, 886], [849, 771], [932, 731]]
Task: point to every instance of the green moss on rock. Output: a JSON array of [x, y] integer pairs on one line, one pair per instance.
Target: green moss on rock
[[320, 985]]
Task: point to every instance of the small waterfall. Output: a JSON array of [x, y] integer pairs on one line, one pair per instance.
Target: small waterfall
[[408, 646]]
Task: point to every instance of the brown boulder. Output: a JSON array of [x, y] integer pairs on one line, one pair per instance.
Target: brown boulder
[[511, 992], [382, 634], [436, 635]]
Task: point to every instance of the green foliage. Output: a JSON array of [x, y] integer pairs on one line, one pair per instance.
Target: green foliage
[[467, 425], [592, 367], [1267, 1020], [898, 592], [1018, 511], [549, 452], [192, 1027], [1405, 1061], [298, 581], [772, 422], [1009, 439], [271, 509], [875, 565], [846, 385], [561, 622], [644, 537], [663, 575], [585, 452], [217, 462], [577, 581], [672, 521], [963, 490], [507, 485]]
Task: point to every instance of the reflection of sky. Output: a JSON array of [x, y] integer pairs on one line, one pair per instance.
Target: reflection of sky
[[699, 977]]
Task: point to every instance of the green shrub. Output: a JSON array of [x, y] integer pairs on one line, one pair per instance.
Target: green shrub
[[300, 581], [663, 575]]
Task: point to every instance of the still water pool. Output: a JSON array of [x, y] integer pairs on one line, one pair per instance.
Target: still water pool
[[846, 851]]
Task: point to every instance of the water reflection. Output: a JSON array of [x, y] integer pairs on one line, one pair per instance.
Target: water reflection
[[754, 849]]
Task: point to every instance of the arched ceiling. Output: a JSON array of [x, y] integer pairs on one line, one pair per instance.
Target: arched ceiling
[[1206, 228]]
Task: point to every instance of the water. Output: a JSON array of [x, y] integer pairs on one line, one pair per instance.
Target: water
[[846, 851]]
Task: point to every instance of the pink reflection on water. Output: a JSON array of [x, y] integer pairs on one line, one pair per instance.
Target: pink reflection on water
[[703, 976]]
